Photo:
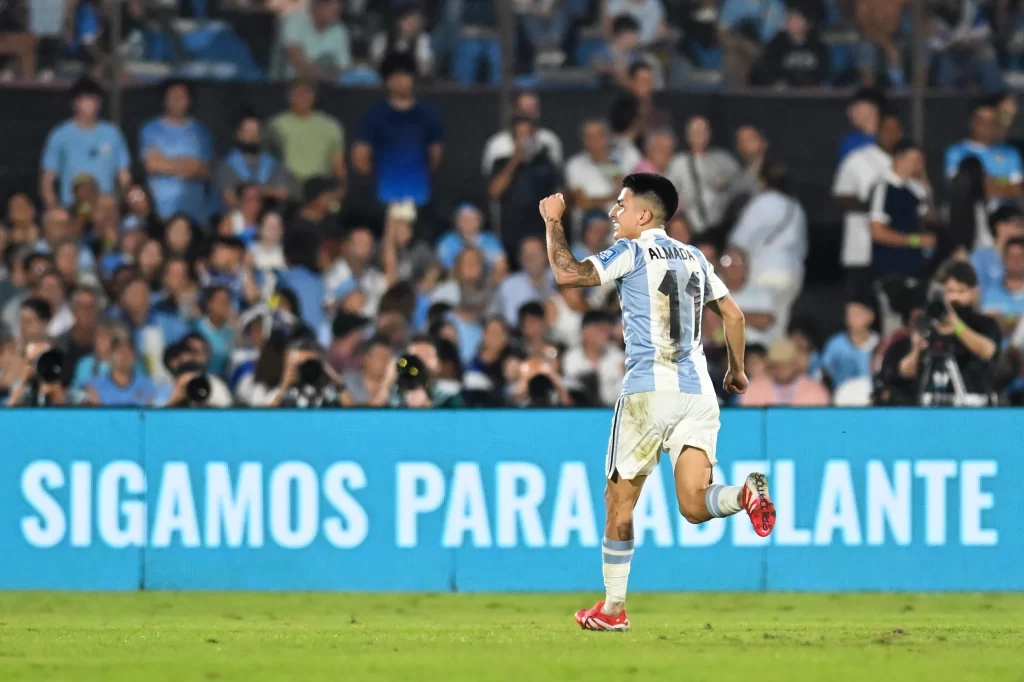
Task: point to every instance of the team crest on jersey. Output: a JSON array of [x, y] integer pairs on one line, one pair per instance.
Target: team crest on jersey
[[607, 256]]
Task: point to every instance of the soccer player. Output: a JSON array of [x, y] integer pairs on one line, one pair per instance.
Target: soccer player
[[668, 402]]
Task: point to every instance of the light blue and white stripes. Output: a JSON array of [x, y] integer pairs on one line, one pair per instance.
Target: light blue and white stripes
[[617, 551], [711, 500]]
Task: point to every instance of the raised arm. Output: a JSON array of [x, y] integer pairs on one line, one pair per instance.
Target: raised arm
[[569, 272]]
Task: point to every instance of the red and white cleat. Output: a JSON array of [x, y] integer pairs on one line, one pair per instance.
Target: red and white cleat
[[594, 619], [758, 505]]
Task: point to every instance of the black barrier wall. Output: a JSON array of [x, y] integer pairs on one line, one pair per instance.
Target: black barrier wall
[[803, 130]]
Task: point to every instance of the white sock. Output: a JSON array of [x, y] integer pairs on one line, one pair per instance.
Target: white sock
[[723, 500], [617, 555]]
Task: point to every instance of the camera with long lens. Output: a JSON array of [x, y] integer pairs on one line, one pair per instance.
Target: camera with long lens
[[935, 304], [50, 366], [412, 374], [311, 371]]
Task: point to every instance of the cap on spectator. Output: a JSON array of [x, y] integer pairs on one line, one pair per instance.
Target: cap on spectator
[[783, 351], [86, 86], [404, 210], [318, 185], [397, 62], [346, 323]]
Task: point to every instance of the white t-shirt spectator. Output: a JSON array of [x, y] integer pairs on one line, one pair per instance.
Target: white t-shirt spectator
[[372, 283], [329, 48], [648, 13], [610, 369], [858, 174], [594, 179], [420, 50], [501, 146]]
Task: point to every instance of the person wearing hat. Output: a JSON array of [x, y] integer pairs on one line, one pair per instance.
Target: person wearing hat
[[847, 355], [784, 385], [400, 138], [84, 144]]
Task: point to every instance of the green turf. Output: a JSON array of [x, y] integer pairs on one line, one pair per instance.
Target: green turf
[[153, 637]]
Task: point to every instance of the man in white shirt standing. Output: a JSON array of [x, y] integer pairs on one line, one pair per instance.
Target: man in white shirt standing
[[857, 175], [501, 145], [773, 230], [594, 175]]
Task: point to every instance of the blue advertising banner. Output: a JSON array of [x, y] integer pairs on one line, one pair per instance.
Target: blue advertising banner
[[497, 500]]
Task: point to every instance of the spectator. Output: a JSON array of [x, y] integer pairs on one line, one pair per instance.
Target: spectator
[[469, 233], [960, 43], [704, 176], [217, 329], [864, 113], [178, 295], [53, 289], [30, 390], [56, 228], [898, 203], [1008, 223], [744, 27], [439, 394], [595, 236], [467, 283], [140, 212], [344, 353], [564, 315], [356, 265], [34, 317], [33, 267], [226, 266], [405, 258], [400, 138], [84, 144], [176, 151], [371, 385], [151, 331], [773, 229], [316, 44], [187, 360], [19, 43], [649, 15], [519, 181], [303, 240], [847, 355], [310, 143], [406, 37], [785, 383], [267, 252], [642, 83], [595, 367], [243, 222], [1001, 162], [1004, 302], [622, 50], [501, 145], [123, 385], [12, 284], [755, 302], [180, 239], [594, 175], [484, 378], [699, 24], [751, 147], [953, 364], [796, 57], [659, 150], [533, 331], [248, 164], [860, 171], [21, 219], [533, 284]]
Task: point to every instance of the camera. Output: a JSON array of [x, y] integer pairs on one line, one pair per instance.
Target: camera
[[50, 366], [935, 304], [198, 389], [310, 372], [412, 373]]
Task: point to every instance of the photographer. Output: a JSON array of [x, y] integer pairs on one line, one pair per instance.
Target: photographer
[[951, 352], [417, 375], [306, 381], [192, 387], [40, 384]]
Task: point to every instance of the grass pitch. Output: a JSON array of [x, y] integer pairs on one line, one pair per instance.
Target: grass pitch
[[156, 637]]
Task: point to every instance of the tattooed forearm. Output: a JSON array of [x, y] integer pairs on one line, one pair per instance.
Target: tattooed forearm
[[569, 272]]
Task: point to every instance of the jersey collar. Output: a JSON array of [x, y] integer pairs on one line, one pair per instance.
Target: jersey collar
[[656, 231]]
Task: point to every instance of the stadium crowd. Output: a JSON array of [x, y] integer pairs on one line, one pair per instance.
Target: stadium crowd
[[158, 273], [774, 43]]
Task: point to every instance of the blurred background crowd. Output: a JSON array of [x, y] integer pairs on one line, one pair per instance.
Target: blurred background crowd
[[303, 262]]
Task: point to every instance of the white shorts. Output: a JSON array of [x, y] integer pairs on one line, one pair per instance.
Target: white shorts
[[647, 423]]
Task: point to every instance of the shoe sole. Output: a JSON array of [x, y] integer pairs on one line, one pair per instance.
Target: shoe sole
[[765, 504]]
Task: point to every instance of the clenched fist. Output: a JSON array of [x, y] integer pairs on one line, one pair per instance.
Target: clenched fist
[[552, 207]]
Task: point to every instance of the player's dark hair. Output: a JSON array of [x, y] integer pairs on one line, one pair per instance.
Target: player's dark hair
[[959, 270], [656, 189], [38, 306], [624, 23]]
